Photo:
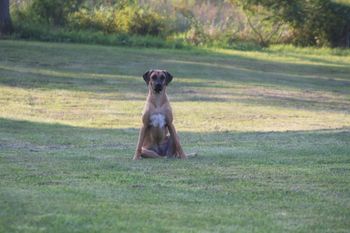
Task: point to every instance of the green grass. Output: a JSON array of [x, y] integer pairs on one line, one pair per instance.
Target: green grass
[[272, 129]]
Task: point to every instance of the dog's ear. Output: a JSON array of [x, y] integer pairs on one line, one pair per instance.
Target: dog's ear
[[146, 76], [168, 77]]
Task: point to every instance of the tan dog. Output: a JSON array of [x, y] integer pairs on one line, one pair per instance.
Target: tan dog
[[158, 137]]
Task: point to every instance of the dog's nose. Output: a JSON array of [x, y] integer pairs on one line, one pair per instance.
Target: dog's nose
[[158, 87]]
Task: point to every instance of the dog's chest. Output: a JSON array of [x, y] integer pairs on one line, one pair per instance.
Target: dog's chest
[[157, 120]]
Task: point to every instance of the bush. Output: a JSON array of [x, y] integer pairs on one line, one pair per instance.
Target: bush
[[100, 19], [46, 33], [52, 12], [129, 19], [196, 35], [136, 20]]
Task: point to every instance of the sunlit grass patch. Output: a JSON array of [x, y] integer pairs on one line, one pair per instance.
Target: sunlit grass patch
[[224, 113]]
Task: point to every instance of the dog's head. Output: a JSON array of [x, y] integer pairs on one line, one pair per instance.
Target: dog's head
[[157, 80]]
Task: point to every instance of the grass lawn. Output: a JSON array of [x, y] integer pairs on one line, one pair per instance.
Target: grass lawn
[[272, 129]]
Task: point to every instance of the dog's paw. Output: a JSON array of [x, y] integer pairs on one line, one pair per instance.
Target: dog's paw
[[137, 157], [181, 155]]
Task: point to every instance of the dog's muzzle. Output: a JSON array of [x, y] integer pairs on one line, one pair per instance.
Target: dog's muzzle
[[158, 88]]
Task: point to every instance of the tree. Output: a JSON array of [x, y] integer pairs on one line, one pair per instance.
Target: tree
[[266, 25], [5, 19], [314, 22]]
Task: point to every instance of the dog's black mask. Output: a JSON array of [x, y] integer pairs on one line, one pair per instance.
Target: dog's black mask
[[158, 78]]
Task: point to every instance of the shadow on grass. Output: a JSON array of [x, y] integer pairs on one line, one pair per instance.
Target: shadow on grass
[[73, 81], [265, 75], [205, 66], [310, 57], [202, 76], [33, 138], [226, 89], [59, 177], [270, 74]]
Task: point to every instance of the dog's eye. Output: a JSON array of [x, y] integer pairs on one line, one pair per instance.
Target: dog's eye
[[162, 78], [154, 77]]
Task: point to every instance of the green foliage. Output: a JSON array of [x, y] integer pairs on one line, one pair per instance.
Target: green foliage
[[197, 23], [45, 33], [315, 22], [99, 19], [196, 34], [130, 19], [325, 24], [136, 20], [53, 12], [124, 17]]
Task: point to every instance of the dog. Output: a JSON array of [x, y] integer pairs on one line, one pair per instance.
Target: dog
[[158, 137]]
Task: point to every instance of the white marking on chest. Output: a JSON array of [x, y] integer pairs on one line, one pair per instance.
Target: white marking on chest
[[158, 120]]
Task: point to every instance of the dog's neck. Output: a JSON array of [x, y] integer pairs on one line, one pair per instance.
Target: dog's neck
[[157, 99]]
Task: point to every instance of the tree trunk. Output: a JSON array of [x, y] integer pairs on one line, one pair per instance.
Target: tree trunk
[[5, 19]]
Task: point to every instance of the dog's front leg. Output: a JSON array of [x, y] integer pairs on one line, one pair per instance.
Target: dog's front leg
[[178, 149], [140, 143]]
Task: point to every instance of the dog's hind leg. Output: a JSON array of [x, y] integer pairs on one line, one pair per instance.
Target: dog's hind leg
[[146, 153]]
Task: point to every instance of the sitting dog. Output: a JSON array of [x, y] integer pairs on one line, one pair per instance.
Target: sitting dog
[[158, 137]]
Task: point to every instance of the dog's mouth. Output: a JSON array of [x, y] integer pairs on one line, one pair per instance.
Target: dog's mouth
[[158, 88]]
